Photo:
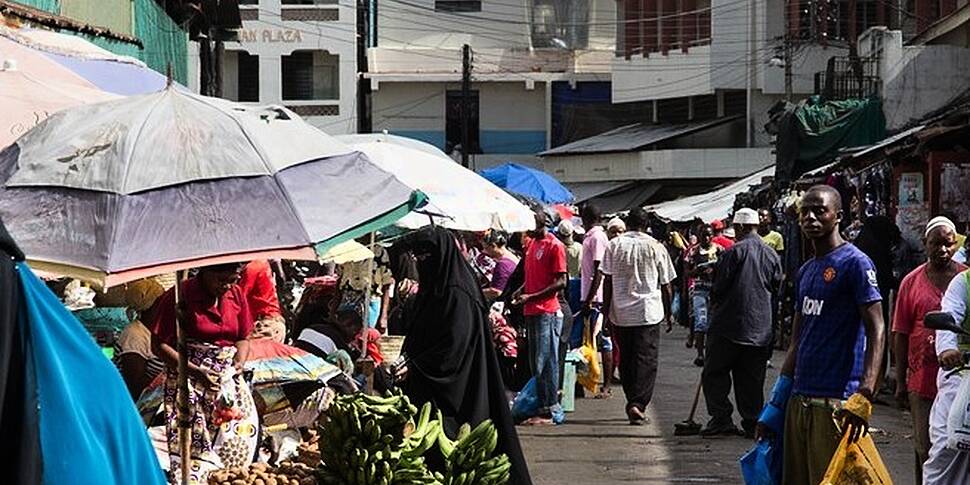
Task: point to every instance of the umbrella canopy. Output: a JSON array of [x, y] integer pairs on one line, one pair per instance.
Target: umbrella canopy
[[529, 182], [43, 72], [115, 191], [469, 201]]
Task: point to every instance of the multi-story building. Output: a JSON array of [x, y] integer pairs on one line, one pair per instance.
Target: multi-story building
[[530, 61], [297, 53]]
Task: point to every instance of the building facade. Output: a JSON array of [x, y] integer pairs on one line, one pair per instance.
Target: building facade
[[522, 54], [297, 53]]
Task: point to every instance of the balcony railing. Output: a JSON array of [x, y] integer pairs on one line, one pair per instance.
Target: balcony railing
[[644, 33], [846, 77]]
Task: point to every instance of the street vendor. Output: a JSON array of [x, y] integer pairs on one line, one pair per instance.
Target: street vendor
[[136, 361], [327, 339], [256, 282], [217, 325]]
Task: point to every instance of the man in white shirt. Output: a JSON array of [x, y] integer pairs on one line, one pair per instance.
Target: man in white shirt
[[636, 298], [946, 466]]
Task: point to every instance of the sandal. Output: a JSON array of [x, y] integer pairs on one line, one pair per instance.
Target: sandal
[[604, 394]]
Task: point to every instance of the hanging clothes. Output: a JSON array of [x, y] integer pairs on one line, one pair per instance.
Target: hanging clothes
[[451, 360]]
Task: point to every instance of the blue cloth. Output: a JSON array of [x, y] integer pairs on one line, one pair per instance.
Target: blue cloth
[[773, 414], [831, 348], [543, 331], [90, 432], [114, 77], [761, 465], [701, 300], [529, 182]]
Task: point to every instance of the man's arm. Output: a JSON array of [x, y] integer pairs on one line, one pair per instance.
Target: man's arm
[[875, 340], [557, 285], [594, 285], [901, 352], [666, 294], [607, 295], [788, 368]]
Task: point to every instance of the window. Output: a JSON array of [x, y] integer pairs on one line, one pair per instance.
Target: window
[[309, 75], [458, 5], [453, 122], [247, 77], [248, 2], [560, 23], [309, 2]]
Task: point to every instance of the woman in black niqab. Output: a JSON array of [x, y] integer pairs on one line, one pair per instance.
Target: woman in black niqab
[[451, 359]]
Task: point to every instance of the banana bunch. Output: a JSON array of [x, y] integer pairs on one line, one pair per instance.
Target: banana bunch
[[469, 459], [374, 440]]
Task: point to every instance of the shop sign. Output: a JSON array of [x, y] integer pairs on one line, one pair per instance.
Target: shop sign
[[270, 36], [913, 209]]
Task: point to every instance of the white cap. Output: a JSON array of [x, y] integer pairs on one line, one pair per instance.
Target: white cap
[[746, 217], [729, 233], [565, 228], [940, 221], [616, 223]]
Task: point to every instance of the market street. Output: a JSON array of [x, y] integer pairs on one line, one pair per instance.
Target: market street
[[596, 445]]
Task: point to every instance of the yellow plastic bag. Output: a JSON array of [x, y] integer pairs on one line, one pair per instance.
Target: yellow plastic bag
[[856, 464], [590, 378]]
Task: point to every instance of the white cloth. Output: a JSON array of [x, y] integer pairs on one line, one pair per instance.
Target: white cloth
[[946, 466], [638, 265], [318, 340], [961, 255]]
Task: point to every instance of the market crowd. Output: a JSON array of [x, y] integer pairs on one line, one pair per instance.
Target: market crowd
[[498, 326]]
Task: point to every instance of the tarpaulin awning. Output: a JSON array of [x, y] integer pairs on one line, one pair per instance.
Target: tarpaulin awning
[[633, 137], [709, 206], [529, 182]]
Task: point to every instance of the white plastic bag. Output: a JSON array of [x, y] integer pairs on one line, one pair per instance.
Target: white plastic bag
[[958, 422]]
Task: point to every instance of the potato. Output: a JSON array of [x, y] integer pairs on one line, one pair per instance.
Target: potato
[[272, 481], [239, 482]]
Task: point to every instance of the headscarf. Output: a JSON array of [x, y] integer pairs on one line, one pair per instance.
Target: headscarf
[[141, 295], [451, 359]]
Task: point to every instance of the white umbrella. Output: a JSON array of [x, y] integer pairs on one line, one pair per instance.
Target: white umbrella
[[469, 202]]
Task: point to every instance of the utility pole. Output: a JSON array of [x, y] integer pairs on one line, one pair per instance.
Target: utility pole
[[789, 38], [364, 122], [749, 78], [466, 84]]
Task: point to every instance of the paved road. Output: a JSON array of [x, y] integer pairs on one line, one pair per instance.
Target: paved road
[[597, 446]]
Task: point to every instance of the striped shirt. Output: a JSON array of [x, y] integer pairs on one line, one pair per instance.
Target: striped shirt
[[639, 265]]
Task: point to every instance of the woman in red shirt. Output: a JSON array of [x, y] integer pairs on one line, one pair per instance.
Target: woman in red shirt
[[223, 414]]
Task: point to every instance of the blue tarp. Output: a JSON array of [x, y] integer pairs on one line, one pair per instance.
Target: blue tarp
[[530, 182], [90, 432]]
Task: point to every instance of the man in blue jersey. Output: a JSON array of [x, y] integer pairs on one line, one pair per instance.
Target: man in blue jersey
[[836, 347]]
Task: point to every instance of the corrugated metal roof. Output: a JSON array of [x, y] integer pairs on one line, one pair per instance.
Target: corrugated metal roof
[[633, 137]]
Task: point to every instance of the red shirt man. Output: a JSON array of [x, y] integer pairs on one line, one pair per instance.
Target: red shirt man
[[545, 262], [256, 283]]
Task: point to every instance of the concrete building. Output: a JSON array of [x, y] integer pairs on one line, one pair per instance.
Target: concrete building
[[297, 53], [922, 74], [524, 52]]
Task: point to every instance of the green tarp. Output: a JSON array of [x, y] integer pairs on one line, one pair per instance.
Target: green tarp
[[812, 133]]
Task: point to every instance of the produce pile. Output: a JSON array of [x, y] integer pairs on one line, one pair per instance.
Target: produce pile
[[385, 440], [287, 473]]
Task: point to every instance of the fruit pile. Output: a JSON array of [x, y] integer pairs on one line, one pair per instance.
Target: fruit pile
[[386, 440], [288, 473]]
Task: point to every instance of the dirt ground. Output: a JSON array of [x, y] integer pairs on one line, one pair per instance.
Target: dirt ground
[[596, 445]]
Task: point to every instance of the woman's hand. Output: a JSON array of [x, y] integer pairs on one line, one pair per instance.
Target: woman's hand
[[207, 377]]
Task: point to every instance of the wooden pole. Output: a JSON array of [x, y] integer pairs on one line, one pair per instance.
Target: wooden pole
[[184, 417]]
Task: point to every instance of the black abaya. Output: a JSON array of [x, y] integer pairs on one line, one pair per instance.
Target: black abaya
[[451, 360], [20, 445]]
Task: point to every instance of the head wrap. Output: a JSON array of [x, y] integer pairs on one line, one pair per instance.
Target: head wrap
[[940, 221], [141, 295], [616, 224]]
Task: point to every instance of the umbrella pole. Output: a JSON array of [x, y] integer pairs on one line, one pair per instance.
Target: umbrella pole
[[184, 418]]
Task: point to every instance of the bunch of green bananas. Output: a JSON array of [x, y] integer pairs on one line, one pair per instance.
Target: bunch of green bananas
[[374, 440], [470, 459]]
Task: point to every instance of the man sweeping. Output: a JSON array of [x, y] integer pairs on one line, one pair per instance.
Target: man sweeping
[[836, 347]]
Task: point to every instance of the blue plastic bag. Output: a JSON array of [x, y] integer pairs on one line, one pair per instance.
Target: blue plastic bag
[[761, 465], [526, 403]]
